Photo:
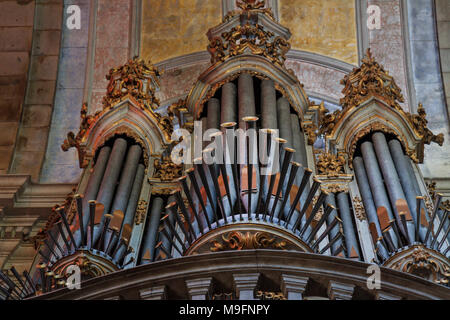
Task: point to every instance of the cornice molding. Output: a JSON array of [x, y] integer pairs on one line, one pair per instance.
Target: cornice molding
[[249, 261], [17, 191], [320, 60]]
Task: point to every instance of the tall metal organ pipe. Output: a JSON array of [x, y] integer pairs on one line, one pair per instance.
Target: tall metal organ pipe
[[391, 179], [351, 241], [151, 234], [131, 206], [246, 98], [369, 205], [377, 185], [331, 200], [268, 103], [109, 180], [284, 121], [93, 185], [125, 186], [228, 103], [407, 183]]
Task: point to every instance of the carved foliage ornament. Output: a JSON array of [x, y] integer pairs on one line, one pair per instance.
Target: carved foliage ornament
[[137, 80], [329, 164], [236, 240], [166, 170], [423, 262], [249, 37], [141, 210], [371, 80], [360, 211]]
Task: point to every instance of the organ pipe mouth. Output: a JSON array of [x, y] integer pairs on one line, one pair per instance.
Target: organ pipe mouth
[[228, 124], [296, 164], [281, 140], [289, 150], [250, 119], [268, 130], [190, 170], [172, 204], [216, 134]]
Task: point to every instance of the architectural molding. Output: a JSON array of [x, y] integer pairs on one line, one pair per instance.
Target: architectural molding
[[219, 265], [18, 191], [320, 60], [361, 27]]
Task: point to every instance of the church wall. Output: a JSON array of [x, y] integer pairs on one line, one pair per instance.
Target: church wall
[[173, 28], [326, 27], [62, 166], [16, 28]]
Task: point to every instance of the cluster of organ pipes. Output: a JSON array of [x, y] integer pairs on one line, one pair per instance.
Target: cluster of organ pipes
[[392, 199], [105, 213], [219, 205], [219, 194]]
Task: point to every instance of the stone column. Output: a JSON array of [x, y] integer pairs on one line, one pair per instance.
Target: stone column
[[199, 289], [245, 285], [293, 286]]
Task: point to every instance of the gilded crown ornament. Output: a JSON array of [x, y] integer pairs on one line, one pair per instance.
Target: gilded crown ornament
[[370, 79], [364, 83], [136, 78], [249, 35]]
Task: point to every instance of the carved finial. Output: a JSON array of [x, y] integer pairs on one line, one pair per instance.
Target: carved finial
[[250, 4], [137, 79], [420, 125]]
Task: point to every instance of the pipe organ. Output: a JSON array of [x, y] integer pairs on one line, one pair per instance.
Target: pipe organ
[[134, 206]]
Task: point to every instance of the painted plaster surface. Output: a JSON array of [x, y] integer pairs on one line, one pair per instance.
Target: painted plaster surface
[[428, 85], [327, 27], [59, 166], [320, 82], [172, 28], [386, 43], [176, 83]]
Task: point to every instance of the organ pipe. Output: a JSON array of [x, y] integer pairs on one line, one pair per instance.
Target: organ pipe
[[112, 172], [246, 98], [377, 186], [391, 178]]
